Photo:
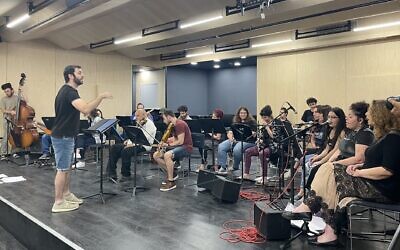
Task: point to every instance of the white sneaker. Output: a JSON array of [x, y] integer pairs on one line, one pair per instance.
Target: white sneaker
[[77, 156], [79, 164], [287, 175], [222, 171], [260, 181]]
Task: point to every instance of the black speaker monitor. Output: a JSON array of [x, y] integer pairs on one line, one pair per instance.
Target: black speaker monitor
[[226, 190], [270, 223]]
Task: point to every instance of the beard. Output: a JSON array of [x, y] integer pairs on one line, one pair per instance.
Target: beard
[[78, 81]]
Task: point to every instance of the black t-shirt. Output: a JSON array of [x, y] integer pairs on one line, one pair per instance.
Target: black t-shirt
[[307, 116], [66, 122], [347, 146], [385, 153], [320, 134]]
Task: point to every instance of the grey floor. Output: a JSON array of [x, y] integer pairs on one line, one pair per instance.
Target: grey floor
[[180, 219]]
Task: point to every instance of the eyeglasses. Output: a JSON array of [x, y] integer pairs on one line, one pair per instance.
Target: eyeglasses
[[332, 117]]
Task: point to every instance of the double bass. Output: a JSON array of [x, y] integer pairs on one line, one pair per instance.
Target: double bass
[[22, 131]]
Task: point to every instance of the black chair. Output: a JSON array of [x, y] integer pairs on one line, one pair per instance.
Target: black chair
[[369, 206], [198, 142]]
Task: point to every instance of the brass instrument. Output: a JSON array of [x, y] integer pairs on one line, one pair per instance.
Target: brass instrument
[[160, 149]]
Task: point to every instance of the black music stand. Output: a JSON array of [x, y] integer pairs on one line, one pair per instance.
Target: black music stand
[[100, 128], [194, 125], [135, 134], [124, 121], [242, 133], [212, 126], [48, 121]]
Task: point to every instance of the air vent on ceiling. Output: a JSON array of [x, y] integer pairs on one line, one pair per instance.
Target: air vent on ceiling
[[221, 47], [160, 28], [102, 43], [243, 5], [171, 56], [324, 30]]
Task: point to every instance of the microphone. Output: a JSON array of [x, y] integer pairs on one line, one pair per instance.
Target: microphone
[[292, 108], [304, 123]]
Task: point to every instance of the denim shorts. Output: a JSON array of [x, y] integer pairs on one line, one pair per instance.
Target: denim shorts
[[64, 152], [180, 152]]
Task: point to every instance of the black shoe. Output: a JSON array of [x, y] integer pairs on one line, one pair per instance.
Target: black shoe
[[315, 242], [306, 216]]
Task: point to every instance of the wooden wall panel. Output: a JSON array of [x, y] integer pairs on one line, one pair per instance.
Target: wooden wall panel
[[114, 74], [335, 76], [44, 65]]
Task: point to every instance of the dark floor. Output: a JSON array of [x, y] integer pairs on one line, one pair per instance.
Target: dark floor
[[7, 241], [180, 219]]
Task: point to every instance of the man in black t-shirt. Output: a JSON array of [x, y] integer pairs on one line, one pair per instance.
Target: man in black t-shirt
[[308, 114], [68, 106]]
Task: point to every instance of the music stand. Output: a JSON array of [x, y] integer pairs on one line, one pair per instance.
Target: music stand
[[212, 126], [100, 128], [194, 125], [48, 121], [124, 121], [242, 133], [135, 134]]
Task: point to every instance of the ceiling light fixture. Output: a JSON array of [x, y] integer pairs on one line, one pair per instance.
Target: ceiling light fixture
[[17, 21], [271, 43], [216, 66], [217, 60], [377, 26], [126, 40], [200, 54], [184, 26], [193, 63], [243, 57], [237, 64]]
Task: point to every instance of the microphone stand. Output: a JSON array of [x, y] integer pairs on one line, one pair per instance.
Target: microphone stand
[[290, 137]]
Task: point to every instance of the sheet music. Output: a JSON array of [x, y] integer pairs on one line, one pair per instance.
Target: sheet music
[[316, 224]]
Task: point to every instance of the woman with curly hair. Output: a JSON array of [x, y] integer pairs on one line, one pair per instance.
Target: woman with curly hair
[[377, 179], [242, 116]]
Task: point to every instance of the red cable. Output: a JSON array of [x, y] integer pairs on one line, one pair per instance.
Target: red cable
[[243, 233]]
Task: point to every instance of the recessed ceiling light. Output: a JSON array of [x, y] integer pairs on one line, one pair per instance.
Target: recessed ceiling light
[[217, 60], [216, 66], [187, 25], [126, 40], [243, 57], [271, 43], [237, 64], [200, 54], [377, 26], [17, 21], [193, 63]]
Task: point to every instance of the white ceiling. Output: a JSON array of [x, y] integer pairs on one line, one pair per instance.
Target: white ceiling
[[99, 20]]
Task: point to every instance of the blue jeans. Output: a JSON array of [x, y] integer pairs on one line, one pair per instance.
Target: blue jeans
[[180, 153], [63, 151], [46, 144], [225, 146]]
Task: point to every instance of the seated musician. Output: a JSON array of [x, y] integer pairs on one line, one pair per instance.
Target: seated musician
[[183, 113], [182, 146], [217, 114], [377, 179], [126, 150], [262, 149], [242, 116], [83, 141]]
